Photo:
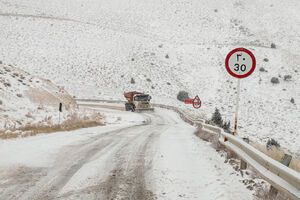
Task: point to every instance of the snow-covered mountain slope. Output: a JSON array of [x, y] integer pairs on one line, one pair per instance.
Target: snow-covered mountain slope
[[27, 100], [94, 48]]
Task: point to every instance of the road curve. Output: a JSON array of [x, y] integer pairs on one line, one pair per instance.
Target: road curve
[[158, 159]]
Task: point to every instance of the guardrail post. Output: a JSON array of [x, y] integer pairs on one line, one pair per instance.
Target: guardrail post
[[243, 164], [286, 160]]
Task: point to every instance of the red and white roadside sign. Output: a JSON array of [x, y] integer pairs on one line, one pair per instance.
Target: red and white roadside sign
[[196, 102], [240, 63]]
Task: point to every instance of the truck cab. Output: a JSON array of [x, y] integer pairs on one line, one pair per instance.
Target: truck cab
[[137, 101]]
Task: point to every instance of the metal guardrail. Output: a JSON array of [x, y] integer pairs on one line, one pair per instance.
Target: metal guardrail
[[100, 100], [280, 176]]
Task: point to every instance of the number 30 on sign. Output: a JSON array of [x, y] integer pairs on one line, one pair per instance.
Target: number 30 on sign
[[240, 63]]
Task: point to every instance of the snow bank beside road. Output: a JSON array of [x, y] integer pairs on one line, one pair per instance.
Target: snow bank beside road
[[114, 113], [188, 168], [40, 151], [29, 106]]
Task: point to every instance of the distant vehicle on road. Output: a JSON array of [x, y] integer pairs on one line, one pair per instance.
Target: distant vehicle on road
[[137, 101]]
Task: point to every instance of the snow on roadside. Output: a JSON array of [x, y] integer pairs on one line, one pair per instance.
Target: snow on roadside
[[188, 168], [114, 115], [41, 150]]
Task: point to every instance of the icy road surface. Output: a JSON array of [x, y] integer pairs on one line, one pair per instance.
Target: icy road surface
[[136, 157]]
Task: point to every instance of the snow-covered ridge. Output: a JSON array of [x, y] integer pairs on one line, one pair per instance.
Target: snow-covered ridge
[[26, 99]]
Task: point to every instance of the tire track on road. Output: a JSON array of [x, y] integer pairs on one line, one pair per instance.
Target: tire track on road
[[41, 17], [70, 160], [128, 182]]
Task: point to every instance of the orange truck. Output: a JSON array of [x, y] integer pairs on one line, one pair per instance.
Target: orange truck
[[137, 101]]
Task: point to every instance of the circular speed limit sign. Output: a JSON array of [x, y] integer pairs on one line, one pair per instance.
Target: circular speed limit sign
[[240, 63]]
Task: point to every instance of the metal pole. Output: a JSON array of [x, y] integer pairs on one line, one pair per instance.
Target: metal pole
[[59, 118], [237, 107]]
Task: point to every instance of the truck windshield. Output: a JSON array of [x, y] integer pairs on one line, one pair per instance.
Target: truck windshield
[[142, 98]]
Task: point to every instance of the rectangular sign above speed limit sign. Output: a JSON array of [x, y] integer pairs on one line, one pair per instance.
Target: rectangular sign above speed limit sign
[[240, 63]]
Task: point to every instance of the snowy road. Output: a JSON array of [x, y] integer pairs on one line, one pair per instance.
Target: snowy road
[[139, 157]]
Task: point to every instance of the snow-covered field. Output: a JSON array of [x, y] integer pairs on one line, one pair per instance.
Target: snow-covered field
[[94, 48]]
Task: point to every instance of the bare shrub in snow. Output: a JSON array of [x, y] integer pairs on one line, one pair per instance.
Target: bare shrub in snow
[[40, 107], [262, 69], [7, 84], [272, 143], [74, 121], [7, 69], [273, 46], [183, 95], [287, 77], [274, 80], [19, 95], [132, 81], [292, 100], [266, 59], [167, 56], [148, 79], [29, 115], [226, 127]]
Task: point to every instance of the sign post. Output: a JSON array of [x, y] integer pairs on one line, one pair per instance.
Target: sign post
[[240, 63], [60, 110], [237, 106]]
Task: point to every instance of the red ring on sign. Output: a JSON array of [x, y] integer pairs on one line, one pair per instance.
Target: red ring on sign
[[198, 104], [253, 63]]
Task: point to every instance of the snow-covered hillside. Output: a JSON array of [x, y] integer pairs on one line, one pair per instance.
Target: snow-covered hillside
[[27, 100], [94, 48]]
